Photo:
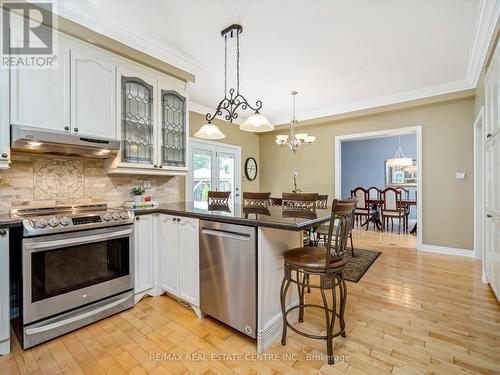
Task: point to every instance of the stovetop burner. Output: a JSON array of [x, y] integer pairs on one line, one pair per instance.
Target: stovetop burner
[[45, 220]]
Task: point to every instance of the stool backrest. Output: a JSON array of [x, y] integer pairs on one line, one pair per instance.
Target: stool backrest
[[322, 202], [299, 201], [218, 200], [258, 200], [341, 223]]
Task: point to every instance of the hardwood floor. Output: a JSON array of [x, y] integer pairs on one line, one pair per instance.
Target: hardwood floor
[[411, 313]]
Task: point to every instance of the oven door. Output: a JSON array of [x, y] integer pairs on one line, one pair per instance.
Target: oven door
[[66, 271]]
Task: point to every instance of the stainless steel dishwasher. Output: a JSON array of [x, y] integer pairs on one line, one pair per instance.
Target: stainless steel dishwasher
[[228, 274]]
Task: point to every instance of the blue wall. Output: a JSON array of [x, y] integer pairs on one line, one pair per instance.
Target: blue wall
[[363, 162]]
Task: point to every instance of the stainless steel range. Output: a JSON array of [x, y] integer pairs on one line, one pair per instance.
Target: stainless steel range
[[74, 267]]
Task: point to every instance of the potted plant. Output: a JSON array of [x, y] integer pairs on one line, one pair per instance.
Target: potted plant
[[294, 179], [137, 192]]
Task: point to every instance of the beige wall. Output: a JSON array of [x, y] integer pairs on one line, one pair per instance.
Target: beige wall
[[249, 143], [447, 148]]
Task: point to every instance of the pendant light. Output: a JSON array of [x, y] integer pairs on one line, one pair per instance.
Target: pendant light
[[230, 103], [296, 140], [399, 160]]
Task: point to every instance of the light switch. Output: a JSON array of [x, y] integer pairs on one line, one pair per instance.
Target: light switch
[[460, 175]]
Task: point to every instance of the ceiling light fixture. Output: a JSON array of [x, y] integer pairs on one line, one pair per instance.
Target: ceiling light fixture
[[295, 139], [399, 160], [230, 104]]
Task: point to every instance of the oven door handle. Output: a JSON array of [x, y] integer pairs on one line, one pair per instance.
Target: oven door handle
[[54, 244]]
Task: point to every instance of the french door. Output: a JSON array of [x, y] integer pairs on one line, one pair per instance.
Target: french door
[[214, 167], [492, 174]]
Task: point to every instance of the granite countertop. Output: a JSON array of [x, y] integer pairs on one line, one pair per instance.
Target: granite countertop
[[6, 221], [272, 217]]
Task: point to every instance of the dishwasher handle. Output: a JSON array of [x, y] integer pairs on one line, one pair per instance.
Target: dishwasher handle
[[227, 234]]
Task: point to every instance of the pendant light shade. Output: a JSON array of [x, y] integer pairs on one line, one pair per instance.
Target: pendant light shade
[[209, 131], [399, 160], [257, 124]]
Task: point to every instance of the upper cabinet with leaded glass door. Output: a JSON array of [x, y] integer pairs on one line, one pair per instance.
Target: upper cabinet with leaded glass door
[[152, 126], [174, 129]]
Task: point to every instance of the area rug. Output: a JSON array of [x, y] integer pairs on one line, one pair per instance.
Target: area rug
[[357, 266]]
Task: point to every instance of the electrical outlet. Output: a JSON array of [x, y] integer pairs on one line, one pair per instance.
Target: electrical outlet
[[460, 175], [146, 184]]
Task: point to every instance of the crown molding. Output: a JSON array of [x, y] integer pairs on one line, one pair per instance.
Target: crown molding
[[203, 109], [382, 101], [135, 40], [486, 22]]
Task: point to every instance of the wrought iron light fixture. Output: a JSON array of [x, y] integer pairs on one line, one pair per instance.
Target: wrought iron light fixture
[[399, 160], [232, 102], [295, 139]]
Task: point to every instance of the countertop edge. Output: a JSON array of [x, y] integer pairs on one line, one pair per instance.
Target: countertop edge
[[232, 220]]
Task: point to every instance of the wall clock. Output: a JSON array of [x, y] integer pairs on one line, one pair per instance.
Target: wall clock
[[251, 169]]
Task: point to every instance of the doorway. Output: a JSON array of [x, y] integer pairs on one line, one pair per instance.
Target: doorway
[[417, 131], [214, 167]]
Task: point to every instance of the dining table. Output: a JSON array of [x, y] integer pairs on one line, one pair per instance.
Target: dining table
[[375, 217]]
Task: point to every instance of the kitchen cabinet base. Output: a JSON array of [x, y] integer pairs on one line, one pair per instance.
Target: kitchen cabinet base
[[5, 347]]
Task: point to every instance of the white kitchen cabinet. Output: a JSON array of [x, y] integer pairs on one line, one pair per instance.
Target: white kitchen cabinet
[[92, 94], [4, 292], [144, 247], [41, 97], [152, 124], [178, 249]]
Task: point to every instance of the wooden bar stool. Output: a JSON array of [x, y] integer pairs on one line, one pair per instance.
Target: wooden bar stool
[[256, 200], [328, 264]]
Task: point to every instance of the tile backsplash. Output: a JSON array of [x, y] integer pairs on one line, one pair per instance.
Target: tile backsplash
[[39, 180]]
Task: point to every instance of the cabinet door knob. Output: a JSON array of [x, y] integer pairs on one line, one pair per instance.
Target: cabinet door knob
[[155, 166], [66, 128], [4, 155], [3, 232], [76, 130], [137, 218], [489, 135], [489, 216], [161, 166]]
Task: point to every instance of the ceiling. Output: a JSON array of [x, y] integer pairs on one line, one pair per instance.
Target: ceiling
[[341, 55]]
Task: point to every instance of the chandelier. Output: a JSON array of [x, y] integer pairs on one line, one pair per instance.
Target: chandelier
[[234, 100], [399, 160], [294, 141]]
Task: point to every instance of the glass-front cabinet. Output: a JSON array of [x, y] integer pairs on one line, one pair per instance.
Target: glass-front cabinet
[[153, 125]]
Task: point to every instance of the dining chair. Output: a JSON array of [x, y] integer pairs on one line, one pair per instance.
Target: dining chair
[[362, 206], [392, 208], [328, 264], [257, 200], [405, 193], [374, 193], [218, 200]]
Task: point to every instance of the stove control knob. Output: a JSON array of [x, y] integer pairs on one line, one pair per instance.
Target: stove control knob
[[107, 217], [53, 222], [124, 215], [64, 221], [42, 223], [116, 216]]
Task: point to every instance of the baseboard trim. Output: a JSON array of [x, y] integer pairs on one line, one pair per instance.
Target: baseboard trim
[[447, 250], [273, 329]]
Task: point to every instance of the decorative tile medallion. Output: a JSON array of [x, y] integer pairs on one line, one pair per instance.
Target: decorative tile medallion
[[58, 179]]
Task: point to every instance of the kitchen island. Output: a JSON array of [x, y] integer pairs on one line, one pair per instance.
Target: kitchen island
[[275, 231]]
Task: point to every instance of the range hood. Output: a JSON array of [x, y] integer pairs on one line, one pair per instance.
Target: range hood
[[42, 141]]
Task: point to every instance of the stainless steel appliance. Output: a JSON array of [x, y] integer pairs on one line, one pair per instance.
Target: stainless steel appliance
[[74, 267], [228, 274], [42, 141]]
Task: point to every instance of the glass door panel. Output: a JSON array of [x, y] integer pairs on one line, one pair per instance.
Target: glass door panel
[[213, 168], [173, 129], [137, 121], [202, 176], [226, 171]]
